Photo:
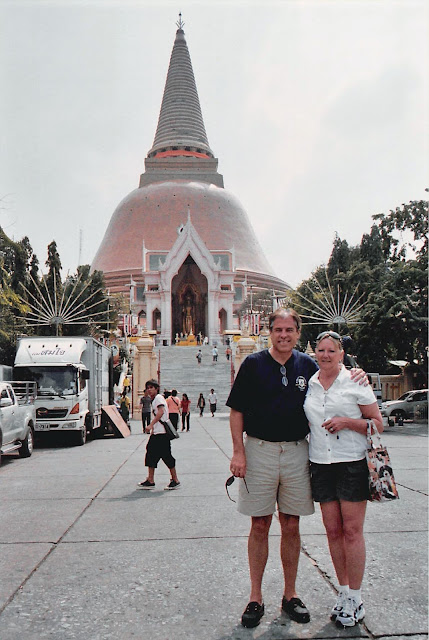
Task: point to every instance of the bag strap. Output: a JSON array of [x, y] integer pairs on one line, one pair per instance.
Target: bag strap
[[372, 434]]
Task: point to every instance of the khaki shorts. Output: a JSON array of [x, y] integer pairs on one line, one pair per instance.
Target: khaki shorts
[[276, 473]]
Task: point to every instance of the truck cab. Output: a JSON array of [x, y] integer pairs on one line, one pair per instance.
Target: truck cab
[[62, 397], [73, 377]]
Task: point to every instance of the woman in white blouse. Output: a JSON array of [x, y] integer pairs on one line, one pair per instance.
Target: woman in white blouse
[[338, 411]]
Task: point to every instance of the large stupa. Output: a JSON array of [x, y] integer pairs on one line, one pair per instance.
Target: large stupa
[[180, 241]]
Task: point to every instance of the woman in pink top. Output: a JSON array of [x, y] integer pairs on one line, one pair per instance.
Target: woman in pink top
[[185, 411], [174, 406]]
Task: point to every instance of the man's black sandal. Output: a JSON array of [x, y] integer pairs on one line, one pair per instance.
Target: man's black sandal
[[296, 610], [252, 614]]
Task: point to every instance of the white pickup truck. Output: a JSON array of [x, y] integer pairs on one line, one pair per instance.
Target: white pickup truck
[[17, 417]]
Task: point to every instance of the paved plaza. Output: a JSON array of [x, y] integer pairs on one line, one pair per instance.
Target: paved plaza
[[86, 555]]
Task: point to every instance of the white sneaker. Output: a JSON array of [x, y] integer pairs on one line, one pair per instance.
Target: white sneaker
[[339, 605], [351, 614]]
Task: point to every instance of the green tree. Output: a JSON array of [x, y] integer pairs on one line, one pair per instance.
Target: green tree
[[371, 247], [409, 220], [11, 305], [389, 270], [53, 277], [341, 257], [90, 304]]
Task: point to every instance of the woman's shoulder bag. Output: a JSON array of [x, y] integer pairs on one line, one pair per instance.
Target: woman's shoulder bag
[[382, 485]]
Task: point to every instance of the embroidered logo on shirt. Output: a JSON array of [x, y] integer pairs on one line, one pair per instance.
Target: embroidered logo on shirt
[[301, 383]]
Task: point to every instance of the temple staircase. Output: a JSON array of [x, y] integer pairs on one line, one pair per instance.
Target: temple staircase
[[180, 370]]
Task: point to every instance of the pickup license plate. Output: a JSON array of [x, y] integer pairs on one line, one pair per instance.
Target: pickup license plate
[[42, 426]]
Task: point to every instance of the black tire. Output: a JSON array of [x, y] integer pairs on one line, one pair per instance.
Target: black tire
[[27, 445], [89, 424], [79, 437]]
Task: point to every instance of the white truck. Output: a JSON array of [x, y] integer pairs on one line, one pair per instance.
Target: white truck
[[74, 379], [17, 417]]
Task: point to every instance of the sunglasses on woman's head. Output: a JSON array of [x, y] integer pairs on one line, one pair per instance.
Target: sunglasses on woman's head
[[329, 334]]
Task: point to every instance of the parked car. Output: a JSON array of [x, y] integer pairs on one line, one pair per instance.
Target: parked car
[[17, 417], [405, 405]]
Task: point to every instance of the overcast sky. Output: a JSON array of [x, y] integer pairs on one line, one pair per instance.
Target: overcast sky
[[317, 112]]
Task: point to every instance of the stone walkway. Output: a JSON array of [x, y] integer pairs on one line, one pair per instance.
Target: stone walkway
[[86, 555]]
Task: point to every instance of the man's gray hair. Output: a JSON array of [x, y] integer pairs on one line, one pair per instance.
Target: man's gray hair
[[285, 313]]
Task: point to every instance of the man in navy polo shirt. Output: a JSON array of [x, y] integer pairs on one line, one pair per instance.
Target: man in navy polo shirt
[[266, 402]]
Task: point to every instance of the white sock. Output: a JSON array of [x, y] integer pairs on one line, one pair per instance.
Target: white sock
[[356, 595], [343, 588]]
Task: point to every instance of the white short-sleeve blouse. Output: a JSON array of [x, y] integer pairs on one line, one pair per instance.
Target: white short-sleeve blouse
[[341, 399]]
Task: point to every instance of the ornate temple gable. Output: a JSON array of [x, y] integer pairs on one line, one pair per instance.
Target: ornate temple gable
[[189, 242], [191, 286]]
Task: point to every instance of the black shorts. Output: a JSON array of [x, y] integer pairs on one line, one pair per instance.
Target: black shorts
[[159, 448], [340, 481]]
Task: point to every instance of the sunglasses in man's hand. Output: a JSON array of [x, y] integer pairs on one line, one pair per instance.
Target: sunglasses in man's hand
[[229, 482]]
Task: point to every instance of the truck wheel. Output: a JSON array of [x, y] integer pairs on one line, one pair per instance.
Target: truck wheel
[[80, 437], [89, 425], [27, 445]]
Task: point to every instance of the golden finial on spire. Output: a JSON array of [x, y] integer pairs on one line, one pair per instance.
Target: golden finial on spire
[[180, 22]]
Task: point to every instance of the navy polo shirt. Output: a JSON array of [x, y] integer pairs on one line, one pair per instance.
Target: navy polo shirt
[[272, 411]]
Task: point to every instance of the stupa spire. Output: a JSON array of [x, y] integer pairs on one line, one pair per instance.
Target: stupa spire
[[180, 23], [180, 125]]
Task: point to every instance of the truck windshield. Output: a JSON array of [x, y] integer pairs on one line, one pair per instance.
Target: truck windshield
[[59, 381]]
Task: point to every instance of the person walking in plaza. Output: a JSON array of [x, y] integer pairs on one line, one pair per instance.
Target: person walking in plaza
[[228, 352], [126, 384], [338, 412], [124, 407], [199, 356], [274, 457], [174, 407], [186, 412], [201, 404], [159, 445], [212, 398], [146, 406], [215, 354]]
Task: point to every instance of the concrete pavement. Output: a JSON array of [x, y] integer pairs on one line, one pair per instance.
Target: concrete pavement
[[86, 555]]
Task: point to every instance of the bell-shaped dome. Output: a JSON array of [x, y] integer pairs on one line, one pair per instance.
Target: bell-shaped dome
[[152, 214]]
